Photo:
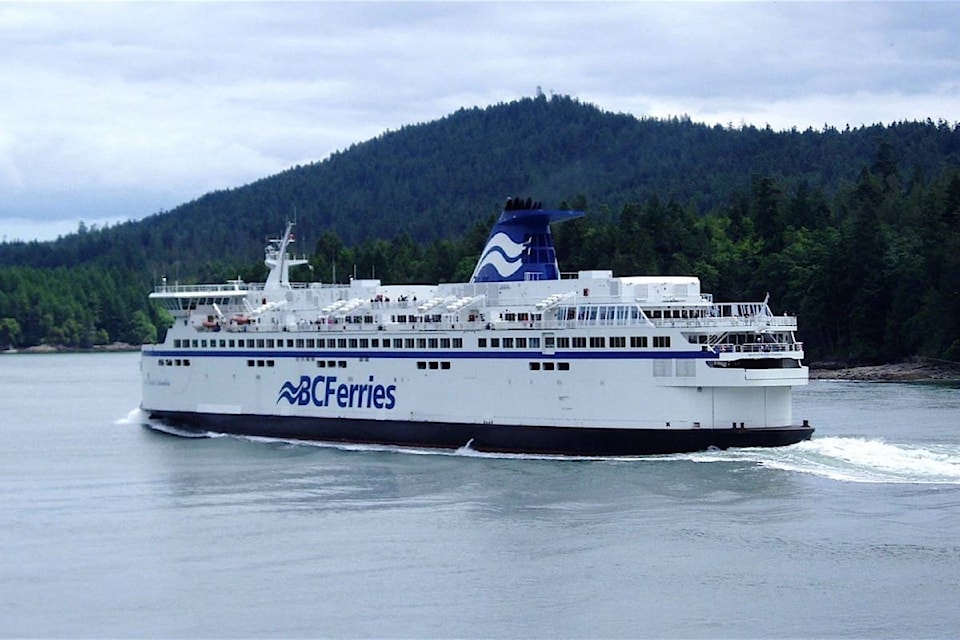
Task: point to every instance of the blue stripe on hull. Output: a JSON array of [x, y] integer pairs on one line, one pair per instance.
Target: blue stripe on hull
[[491, 438]]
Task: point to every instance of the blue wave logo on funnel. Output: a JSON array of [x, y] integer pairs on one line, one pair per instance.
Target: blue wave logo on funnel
[[520, 245], [502, 254]]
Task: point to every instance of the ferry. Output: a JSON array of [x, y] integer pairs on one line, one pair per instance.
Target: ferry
[[520, 359]]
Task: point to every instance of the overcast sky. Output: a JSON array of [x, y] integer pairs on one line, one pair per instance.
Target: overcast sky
[[113, 111]]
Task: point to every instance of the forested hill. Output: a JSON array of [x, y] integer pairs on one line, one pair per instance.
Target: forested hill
[[435, 180], [856, 231]]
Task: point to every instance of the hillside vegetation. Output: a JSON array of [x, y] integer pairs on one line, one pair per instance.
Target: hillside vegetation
[[854, 230]]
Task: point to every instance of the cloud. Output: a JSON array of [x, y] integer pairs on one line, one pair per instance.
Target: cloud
[[118, 110]]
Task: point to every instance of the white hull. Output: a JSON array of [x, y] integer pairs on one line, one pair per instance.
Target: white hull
[[644, 356]]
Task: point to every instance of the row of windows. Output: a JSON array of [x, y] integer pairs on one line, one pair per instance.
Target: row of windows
[[330, 364], [563, 342], [576, 342], [321, 364], [509, 343], [321, 343], [174, 362], [433, 364], [605, 314], [549, 366]]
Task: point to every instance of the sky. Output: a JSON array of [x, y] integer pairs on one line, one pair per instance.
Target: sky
[[111, 111]]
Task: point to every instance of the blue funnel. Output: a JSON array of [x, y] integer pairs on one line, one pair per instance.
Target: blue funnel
[[520, 245]]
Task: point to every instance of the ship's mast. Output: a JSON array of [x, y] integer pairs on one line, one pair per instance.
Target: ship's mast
[[279, 262]]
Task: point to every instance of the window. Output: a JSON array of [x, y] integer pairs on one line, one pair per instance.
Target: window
[[481, 342], [661, 342], [444, 343], [534, 366], [458, 343], [579, 343], [398, 343], [563, 366], [618, 342], [353, 343], [638, 342], [445, 364], [408, 343], [521, 343], [563, 343], [495, 342], [421, 364], [508, 343], [434, 364], [548, 366], [534, 343], [597, 342], [341, 343]]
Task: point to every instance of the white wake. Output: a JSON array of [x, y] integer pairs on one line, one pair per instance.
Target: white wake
[[855, 460]]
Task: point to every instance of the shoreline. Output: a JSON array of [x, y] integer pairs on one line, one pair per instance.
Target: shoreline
[[113, 347], [913, 370]]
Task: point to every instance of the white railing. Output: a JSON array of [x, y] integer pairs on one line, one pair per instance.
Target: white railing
[[761, 347]]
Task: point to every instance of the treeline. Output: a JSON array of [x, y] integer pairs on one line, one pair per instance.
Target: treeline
[[75, 307]]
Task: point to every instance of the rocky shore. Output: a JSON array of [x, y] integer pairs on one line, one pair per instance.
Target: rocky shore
[[105, 348], [913, 370]]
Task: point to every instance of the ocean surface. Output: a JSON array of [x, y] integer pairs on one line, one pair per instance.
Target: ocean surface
[[112, 529]]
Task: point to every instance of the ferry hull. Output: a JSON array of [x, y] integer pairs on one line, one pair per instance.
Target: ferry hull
[[488, 438]]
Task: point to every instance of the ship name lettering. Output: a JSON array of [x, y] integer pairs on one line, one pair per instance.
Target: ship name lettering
[[325, 391]]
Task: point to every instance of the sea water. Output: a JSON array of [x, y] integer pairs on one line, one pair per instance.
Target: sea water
[[112, 529]]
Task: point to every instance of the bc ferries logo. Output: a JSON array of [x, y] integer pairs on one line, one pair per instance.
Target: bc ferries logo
[[323, 391], [503, 254]]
